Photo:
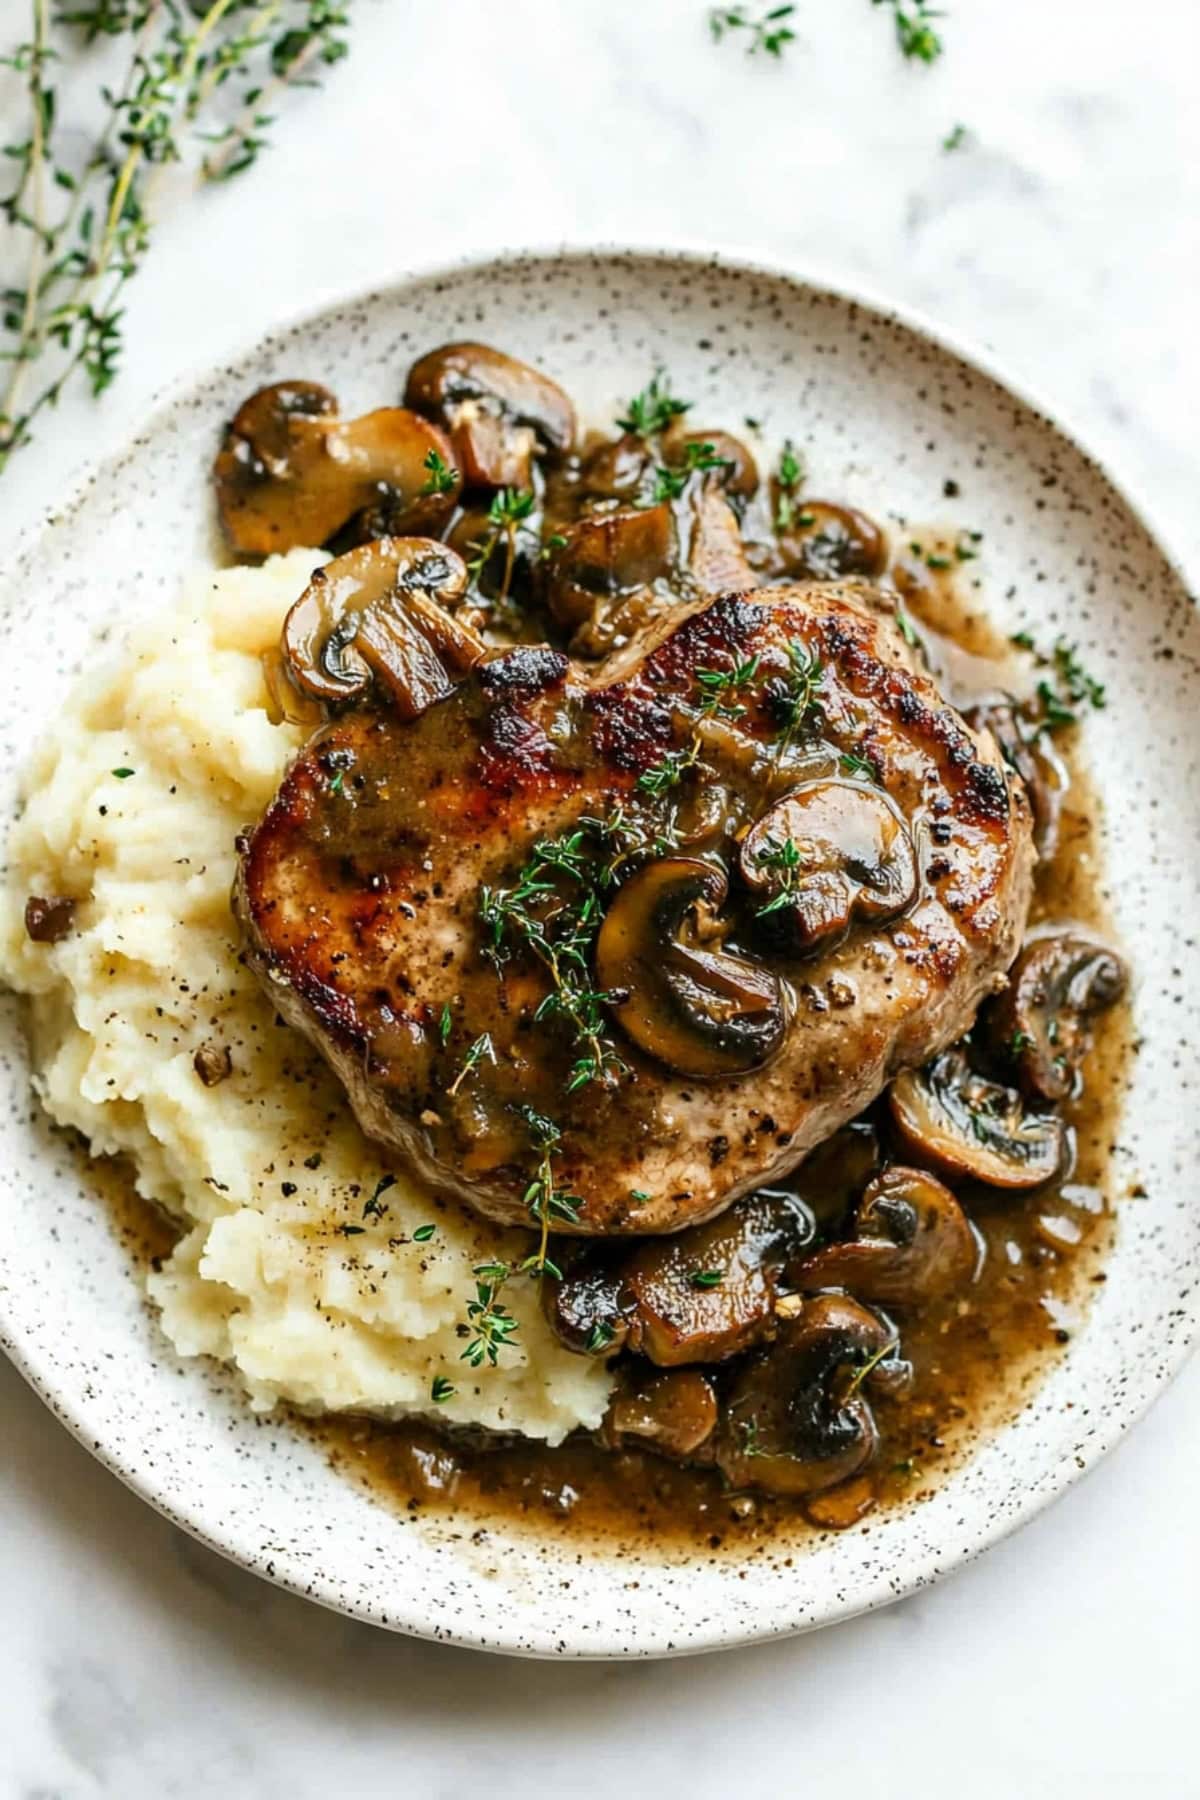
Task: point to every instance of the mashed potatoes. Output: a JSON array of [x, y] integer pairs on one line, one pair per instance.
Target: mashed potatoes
[[304, 1263]]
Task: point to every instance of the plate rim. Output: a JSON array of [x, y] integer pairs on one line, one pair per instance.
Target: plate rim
[[736, 258]]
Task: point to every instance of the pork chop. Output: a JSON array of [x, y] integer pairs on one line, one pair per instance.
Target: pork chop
[[642, 938]]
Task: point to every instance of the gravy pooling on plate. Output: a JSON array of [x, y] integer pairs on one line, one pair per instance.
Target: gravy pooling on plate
[[649, 880]]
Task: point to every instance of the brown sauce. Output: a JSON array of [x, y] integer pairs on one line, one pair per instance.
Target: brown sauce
[[977, 1359]]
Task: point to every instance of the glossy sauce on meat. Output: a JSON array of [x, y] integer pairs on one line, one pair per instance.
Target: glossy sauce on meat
[[977, 1358]]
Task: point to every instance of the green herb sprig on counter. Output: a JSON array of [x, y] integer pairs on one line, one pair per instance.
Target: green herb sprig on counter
[[1065, 687], [769, 32], [83, 218], [916, 33]]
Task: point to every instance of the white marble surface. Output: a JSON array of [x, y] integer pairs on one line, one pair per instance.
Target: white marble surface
[[1065, 237]]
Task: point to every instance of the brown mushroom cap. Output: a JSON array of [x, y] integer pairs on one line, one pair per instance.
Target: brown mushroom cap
[[827, 852], [912, 1242], [700, 1295], [737, 472], [376, 612], [673, 1412], [1042, 1022], [684, 999], [607, 558], [500, 412], [797, 1419], [292, 473], [951, 1118], [823, 541]]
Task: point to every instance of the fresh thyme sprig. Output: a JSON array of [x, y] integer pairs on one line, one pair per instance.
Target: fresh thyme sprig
[[769, 32], [651, 411], [717, 684], [796, 703], [508, 513], [492, 1327], [482, 1047], [788, 476], [84, 221], [915, 31], [670, 483], [786, 861], [441, 477], [560, 930], [1066, 686], [548, 1203]]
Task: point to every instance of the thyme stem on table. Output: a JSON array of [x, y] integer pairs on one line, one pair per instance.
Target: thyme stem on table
[[80, 224]]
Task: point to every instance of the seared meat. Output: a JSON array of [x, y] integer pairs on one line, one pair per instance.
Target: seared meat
[[756, 989]]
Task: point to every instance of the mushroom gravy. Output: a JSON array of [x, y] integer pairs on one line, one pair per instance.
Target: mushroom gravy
[[840, 1335], [977, 1360]]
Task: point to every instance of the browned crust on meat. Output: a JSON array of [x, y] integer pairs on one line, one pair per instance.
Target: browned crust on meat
[[359, 901]]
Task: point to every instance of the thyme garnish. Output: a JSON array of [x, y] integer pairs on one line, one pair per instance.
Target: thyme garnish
[[651, 411], [716, 683], [84, 220], [491, 1326], [786, 861], [560, 931], [670, 483], [788, 476], [915, 32], [864, 1369], [441, 478], [547, 1202], [483, 1046], [799, 697], [1066, 685], [509, 511]]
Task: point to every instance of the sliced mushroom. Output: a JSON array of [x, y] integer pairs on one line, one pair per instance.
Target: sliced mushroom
[[618, 470], [912, 1242], [291, 472], [500, 412], [834, 1174], [698, 1296], [376, 612], [1032, 755], [950, 1117], [713, 553], [1042, 1022], [685, 999], [797, 1419], [605, 561], [828, 852], [823, 541], [674, 1413]]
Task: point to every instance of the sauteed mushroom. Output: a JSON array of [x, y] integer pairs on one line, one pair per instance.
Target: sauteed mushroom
[[376, 612], [291, 472], [824, 541], [701, 1009], [827, 852], [949, 1116], [698, 1296], [797, 1419], [1032, 755], [674, 1413], [500, 412], [736, 470], [1042, 1021], [912, 1242], [606, 560]]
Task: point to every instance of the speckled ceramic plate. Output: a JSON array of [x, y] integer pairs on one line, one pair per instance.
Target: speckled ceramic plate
[[887, 412]]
